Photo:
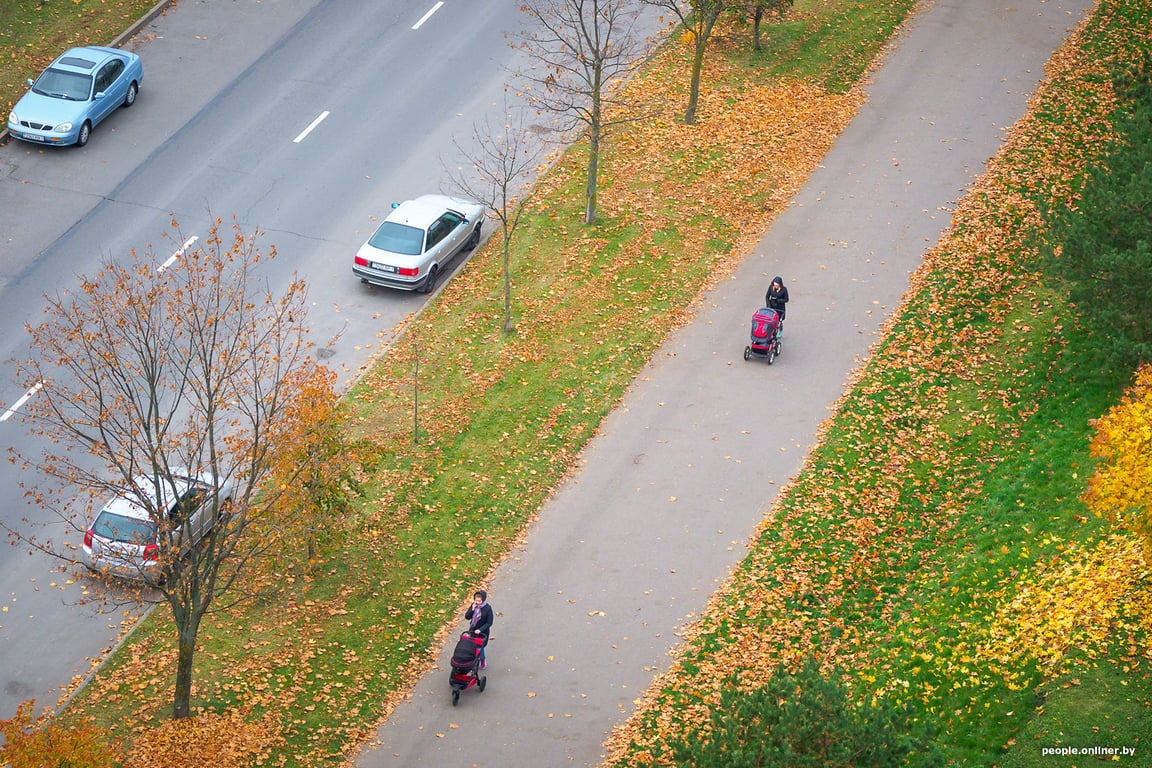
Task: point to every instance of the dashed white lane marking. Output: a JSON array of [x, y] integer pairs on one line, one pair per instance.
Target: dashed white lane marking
[[23, 399], [311, 125], [427, 16], [178, 254]]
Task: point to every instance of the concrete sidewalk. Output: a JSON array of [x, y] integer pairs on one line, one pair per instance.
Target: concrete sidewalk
[[629, 551]]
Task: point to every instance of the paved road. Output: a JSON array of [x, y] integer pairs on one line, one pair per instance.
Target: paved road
[[228, 88], [589, 608]]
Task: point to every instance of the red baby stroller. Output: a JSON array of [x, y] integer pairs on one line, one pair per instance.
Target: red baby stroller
[[765, 341], [466, 665]]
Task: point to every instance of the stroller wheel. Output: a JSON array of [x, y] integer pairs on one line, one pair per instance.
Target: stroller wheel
[[771, 353], [747, 352], [455, 696], [483, 682]]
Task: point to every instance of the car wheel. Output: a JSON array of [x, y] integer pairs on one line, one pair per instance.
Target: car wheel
[[130, 97], [85, 132], [430, 283], [475, 239]]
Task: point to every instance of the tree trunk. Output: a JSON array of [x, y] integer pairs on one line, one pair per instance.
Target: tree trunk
[[703, 32], [593, 169], [756, 16], [187, 628], [593, 156], [507, 282], [694, 89]]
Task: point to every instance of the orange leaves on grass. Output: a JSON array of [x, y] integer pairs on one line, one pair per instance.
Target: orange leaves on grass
[[229, 740]]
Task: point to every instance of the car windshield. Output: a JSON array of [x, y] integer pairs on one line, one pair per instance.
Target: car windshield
[[398, 238], [110, 525], [63, 85]]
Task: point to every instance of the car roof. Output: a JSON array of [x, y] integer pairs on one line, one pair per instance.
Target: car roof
[[83, 61], [425, 209], [129, 504]]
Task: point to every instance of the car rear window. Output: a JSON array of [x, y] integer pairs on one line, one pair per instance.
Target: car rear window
[[109, 525], [398, 238]]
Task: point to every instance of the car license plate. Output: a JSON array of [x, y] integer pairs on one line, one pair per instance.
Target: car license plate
[[383, 267], [33, 136]]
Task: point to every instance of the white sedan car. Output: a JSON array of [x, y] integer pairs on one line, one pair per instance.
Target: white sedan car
[[413, 246]]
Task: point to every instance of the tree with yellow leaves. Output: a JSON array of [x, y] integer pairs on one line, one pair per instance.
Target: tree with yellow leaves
[[1121, 488], [314, 467]]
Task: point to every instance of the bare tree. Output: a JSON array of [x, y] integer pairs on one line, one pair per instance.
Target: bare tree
[[498, 172], [699, 17], [166, 388], [584, 48], [757, 8]]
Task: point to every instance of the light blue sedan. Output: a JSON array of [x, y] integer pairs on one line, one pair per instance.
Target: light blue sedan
[[78, 90]]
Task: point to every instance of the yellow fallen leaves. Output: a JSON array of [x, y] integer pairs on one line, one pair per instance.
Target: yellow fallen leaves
[[1121, 488], [1074, 602]]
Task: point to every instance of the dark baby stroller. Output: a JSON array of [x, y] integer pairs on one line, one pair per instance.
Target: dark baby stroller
[[765, 337], [466, 665]]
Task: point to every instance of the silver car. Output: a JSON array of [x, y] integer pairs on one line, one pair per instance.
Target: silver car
[[131, 534], [413, 246]]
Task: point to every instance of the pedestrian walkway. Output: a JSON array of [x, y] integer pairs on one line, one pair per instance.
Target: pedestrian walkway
[[629, 551]]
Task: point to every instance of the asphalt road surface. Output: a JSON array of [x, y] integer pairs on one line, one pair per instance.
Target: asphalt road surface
[[227, 124], [629, 551]]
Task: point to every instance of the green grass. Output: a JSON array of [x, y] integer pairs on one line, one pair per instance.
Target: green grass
[[1106, 705], [833, 43]]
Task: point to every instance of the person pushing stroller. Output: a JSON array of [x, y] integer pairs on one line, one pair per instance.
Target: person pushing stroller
[[479, 617], [776, 298]]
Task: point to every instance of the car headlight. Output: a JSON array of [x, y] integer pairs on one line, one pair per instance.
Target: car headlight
[[63, 128], [12, 119]]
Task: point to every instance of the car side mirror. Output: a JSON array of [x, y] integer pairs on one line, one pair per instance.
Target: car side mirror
[[31, 82], [99, 95], [395, 205]]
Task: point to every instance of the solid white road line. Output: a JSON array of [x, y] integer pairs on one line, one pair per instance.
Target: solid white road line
[[25, 398], [426, 16], [312, 125], [178, 254]]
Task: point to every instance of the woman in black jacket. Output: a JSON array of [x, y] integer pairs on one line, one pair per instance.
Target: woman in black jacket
[[777, 296], [480, 615]]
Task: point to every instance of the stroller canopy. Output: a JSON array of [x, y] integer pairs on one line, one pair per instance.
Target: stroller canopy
[[764, 323], [467, 651]]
